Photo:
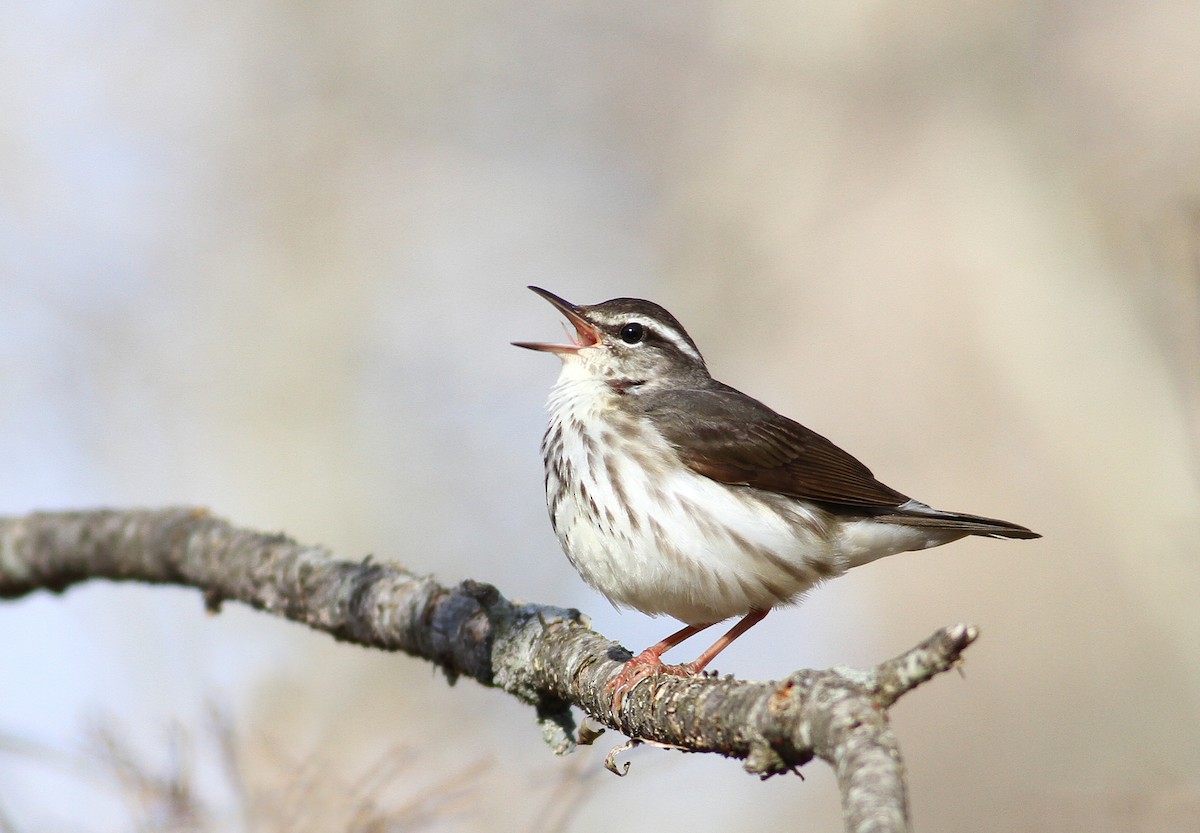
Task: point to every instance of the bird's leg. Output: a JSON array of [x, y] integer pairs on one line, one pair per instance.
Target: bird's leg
[[649, 662], [701, 662]]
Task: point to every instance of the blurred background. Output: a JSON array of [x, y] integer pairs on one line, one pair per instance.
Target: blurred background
[[268, 257]]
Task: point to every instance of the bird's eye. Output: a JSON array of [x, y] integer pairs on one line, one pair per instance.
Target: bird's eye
[[632, 333]]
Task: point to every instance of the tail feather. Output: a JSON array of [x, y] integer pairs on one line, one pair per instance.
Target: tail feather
[[915, 513]]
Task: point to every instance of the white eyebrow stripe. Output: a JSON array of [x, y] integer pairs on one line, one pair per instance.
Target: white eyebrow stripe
[[668, 333]]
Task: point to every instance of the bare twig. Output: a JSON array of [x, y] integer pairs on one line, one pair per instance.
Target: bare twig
[[545, 656]]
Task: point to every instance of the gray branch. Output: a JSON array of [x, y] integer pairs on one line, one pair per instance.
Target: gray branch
[[546, 656]]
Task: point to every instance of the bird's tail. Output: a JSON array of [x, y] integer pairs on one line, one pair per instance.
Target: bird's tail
[[915, 513]]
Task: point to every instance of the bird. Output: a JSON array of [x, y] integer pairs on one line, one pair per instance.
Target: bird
[[675, 494]]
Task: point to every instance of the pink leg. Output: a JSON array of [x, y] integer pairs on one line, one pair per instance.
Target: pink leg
[[747, 622], [649, 662]]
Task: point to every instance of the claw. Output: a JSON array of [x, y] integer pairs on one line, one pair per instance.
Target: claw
[[645, 665], [649, 662]]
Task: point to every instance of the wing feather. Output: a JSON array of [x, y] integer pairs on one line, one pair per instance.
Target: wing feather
[[723, 434]]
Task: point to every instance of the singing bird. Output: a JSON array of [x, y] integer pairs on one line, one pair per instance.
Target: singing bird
[[675, 494]]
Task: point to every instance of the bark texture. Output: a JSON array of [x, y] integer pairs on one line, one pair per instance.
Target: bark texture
[[546, 656]]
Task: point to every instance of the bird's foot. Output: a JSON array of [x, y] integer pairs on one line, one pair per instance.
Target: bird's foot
[[644, 665]]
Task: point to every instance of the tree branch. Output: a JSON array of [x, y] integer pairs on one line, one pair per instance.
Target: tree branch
[[546, 656]]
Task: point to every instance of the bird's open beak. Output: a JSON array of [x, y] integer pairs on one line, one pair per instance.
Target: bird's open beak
[[585, 333]]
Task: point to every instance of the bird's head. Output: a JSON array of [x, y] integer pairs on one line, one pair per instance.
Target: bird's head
[[625, 341]]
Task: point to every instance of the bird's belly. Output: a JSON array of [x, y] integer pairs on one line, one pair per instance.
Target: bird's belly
[[649, 533]]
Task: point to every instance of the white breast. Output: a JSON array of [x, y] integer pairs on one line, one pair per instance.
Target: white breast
[[649, 533]]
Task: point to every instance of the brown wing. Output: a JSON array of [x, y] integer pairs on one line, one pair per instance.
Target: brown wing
[[732, 438]]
